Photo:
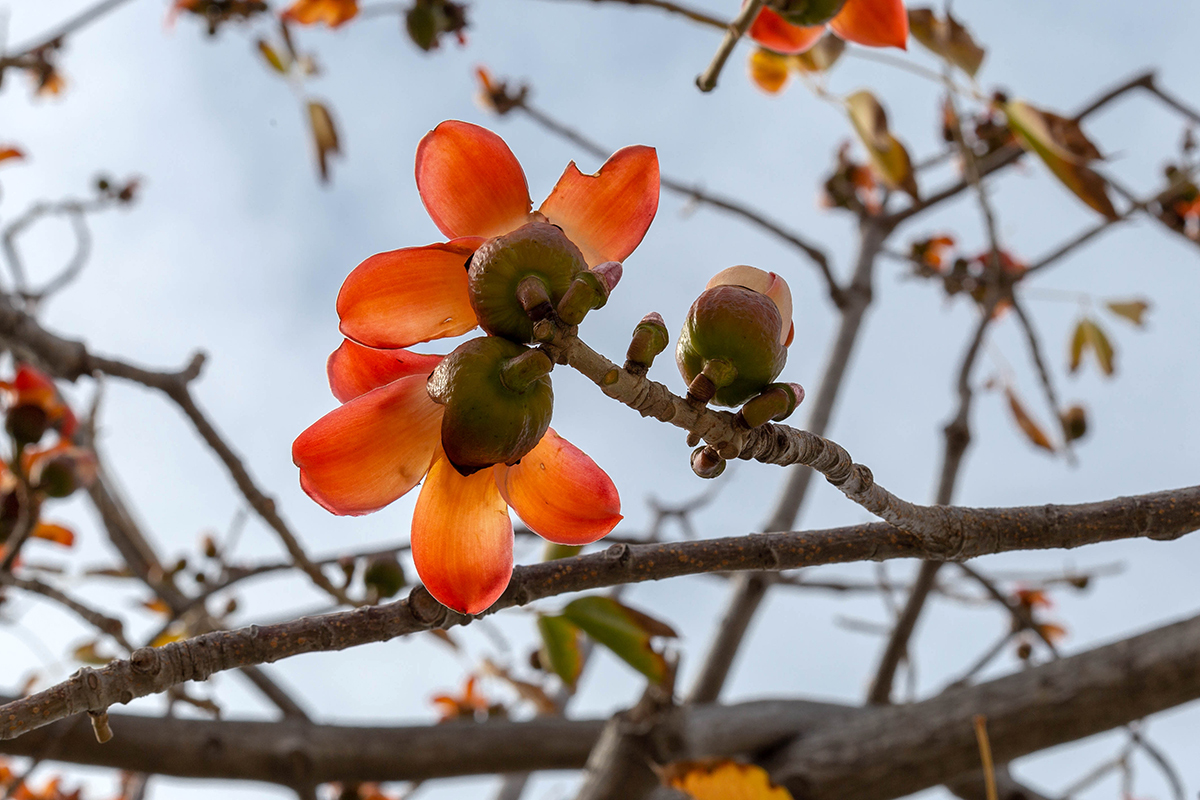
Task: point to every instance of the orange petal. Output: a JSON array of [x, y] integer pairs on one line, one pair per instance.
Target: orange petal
[[354, 369], [363, 455], [462, 538], [54, 533], [874, 23], [406, 296], [774, 32], [470, 182], [607, 214], [332, 12], [560, 493]]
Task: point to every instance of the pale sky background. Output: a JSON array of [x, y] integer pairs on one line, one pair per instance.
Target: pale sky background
[[235, 248]]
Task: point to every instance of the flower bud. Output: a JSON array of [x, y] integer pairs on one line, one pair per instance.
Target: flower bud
[[63, 469], [806, 12], [649, 339], [707, 463], [775, 403], [734, 338], [384, 576], [505, 272], [498, 402], [27, 424], [1074, 423]]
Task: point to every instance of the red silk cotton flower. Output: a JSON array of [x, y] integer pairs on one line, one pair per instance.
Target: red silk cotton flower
[[871, 23], [387, 435]]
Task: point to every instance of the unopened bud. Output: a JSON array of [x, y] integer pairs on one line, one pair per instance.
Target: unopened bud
[[773, 404], [706, 462], [385, 576], [586, 292], [1074, 423], [650, 338], [553, 552], [27, 424]]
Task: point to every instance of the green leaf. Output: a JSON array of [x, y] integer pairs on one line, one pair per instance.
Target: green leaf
[[624, 631], [561, 652], [1132, 310]]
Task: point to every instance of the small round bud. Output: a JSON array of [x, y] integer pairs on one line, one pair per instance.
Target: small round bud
[[806, 12], [739, 327], [707, 463], [385, 576], [27, 424], [498, 402], [502, 266], [1074, 423]]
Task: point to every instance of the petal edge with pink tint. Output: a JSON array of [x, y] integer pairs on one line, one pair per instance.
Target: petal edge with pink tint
[[607, 214], [355, 370], [873, 23], [462, 538], [370, 451], [775, 33], [470, 182], [560, 493], [402, 297]]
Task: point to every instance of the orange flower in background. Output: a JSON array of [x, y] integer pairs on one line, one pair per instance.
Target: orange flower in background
[[33, 389], [386, 437], [331, 12], [468, 704], [872, 23]]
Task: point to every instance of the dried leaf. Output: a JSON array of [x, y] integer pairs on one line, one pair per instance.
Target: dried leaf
[[528, 691], [624, 631], [888, 156], [1089, 335], [324, 135], [158, 606], [1025, 422], [768, 70], [10, 152], [175, 632], [822, 56], [723, 780], [1064, 148], [561, 651], [1078, 343], [947, 38], [273, 58], [1132, 310], [445, 638]]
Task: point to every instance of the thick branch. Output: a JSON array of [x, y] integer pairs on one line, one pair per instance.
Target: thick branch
[[1164, 515]]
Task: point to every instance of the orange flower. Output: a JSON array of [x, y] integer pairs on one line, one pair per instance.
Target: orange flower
[[873, 23], [332, 12], [386, 437]]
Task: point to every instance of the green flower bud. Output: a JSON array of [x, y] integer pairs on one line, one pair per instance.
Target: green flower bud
[[806, 12], [511, 276], [385, 576], [732, 336], [649, 339], [498, 402]]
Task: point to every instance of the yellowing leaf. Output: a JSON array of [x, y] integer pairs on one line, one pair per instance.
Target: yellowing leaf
[[723, 780], [1063, 147], [888, 156], [821, 56], [1132, 310], [1025, 422], [624, 631], [947, 38], [176, 632], [88, 653], [561, 653], [1089, 335], [769, 70], [273, 58], [324, 135]]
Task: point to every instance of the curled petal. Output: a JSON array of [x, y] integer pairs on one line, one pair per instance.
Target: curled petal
[[607, 214], [462, 538], [775, 33], [402, 297], [363, 455], [470, 182], [768, 283], [560, 493], [873, 23], [354, 370], [331, 12]]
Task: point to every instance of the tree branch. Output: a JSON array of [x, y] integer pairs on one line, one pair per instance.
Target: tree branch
[[707, 80]]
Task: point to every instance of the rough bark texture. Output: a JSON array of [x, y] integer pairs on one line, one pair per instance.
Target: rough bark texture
[[971, 533]]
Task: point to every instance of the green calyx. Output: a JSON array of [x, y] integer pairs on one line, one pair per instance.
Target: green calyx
[[498, 402], [516, 279], [730, 340], [806, 12]]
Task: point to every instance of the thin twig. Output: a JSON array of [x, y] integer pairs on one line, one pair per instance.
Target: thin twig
[[707, 80], [80, 20]]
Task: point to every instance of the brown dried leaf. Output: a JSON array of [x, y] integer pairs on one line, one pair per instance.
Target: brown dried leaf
[[947, 38], [1025, 422], [324, 135], [822, 56], [1100, 344], [889, 158], [1132, 310], [272, 57]]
